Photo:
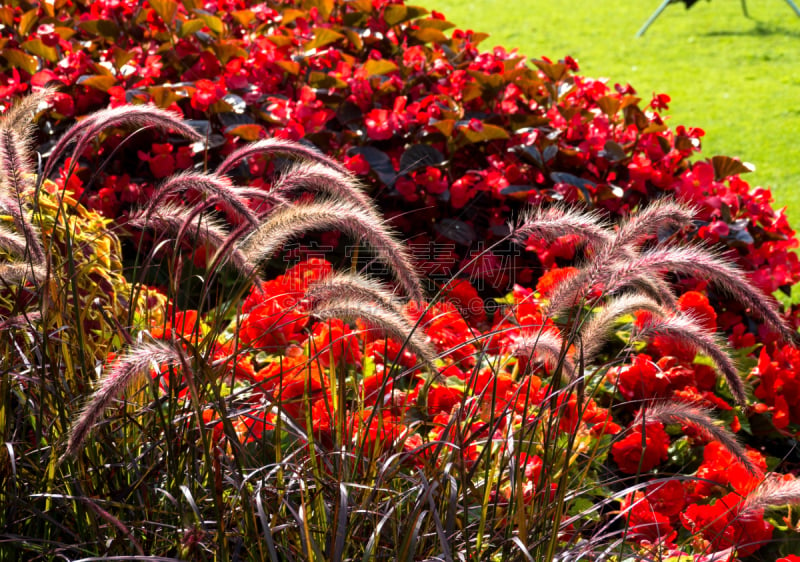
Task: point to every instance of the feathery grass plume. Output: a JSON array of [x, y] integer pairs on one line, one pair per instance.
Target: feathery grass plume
[[703, 263], [136, 362], [21, 320], [573, 290], [13, 273], [546, 345], [620, 247], [12, 243], [16, 178], [278, 146], [260, 195], [686, 330], [180, 221], [560, 220], [392, 323], [19, 116], [346, 285], [700, 419], [320, 178], [83, 132], [772, 493], [595, 332], [288, 222], [652, 286], [208, 184], [661, 213]]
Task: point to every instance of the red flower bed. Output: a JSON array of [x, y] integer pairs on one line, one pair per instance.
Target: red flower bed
[[453, 138], [451, 142]]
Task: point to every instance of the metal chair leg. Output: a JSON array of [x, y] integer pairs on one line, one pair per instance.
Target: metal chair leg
[[794, 7], [654, 17]]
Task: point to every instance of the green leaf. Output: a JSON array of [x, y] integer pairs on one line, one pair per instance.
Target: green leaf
[[289, 66], [325, 7], [441, 25], [243, 17], [323, 36], [354, 38], [163, 97], [250, 133], [27, 21], [188, 27], [38, 48], [394, 14], [554, 71], [103, 28], [378, 67], [445, 126], [102, 83], [486, 133], [226, 50], [428, 35], [398, 13], [166, 10], [65, 32], [213, 22], [121, 57], [23, 61], [324, 80], [609, 105], [7, 16], [725, 167]]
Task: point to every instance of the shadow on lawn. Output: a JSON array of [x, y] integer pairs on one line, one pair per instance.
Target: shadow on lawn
[[760, 29]]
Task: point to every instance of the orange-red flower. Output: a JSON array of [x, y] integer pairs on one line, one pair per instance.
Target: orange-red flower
[[634, 454], [725, 526], [334, 340]]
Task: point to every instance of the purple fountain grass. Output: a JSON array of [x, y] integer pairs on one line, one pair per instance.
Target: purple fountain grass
[[687, 330], [547, 346], [259, 194], [620, 247], [594, 333], [703, 263], [288, 222], [574, 290], [85, 131], [12, 243], [394, 324], [560, 220], [321, 178], [652, 286], [772, 493], [662, 213], [212, 185], [135, 363], [16, 178], [278, 146], [668, 412], [14, 273], [181, 221], [20, 114], [345, 285], [20, 320]]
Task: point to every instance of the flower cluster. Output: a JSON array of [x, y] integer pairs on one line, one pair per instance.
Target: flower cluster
[[453, 138], [452, 143]]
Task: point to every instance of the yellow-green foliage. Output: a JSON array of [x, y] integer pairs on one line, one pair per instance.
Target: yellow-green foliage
[[85, 299]]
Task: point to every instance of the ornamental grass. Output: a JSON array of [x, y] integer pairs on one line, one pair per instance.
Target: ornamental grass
[[363, 340], [316, 414]]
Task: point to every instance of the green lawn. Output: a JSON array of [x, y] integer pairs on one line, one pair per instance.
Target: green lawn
[[736, 78]]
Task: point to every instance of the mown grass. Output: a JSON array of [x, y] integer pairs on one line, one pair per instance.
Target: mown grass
[[734, 77]]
